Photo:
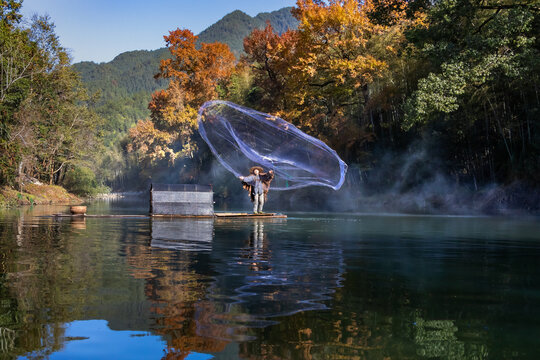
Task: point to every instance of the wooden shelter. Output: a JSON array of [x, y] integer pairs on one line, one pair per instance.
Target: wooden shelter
[[181, 200]]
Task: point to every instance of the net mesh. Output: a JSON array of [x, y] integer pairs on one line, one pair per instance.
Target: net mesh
[[240, 138]]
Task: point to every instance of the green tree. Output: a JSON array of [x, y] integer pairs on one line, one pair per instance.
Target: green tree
[[46, 124], [481, 91]]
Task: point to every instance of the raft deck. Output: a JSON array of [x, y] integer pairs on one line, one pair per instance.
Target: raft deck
[[221, 215], [249, 215]]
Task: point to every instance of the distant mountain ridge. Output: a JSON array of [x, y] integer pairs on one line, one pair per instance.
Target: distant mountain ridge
[[234, 27], [133, 72]]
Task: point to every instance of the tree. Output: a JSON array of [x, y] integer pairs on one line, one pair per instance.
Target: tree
[[482, 87], [168, 131], [196, 75], [198, 72], [9, 12], [271, 57], [46, 124], [337, 57]]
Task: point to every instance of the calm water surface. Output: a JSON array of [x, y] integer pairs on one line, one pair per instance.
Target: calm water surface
[[313, 286]]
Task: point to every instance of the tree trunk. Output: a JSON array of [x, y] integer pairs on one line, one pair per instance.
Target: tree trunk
[[20, 175]]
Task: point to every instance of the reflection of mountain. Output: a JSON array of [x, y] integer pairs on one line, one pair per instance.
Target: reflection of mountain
[[183, 234]]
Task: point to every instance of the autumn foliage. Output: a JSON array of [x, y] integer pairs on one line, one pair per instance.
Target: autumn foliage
[[271, 56], [371, 75], [195, 75]]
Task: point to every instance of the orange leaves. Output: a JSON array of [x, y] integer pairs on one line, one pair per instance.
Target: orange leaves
[[271, 57], [197, 71], [167, 134], [335, 39], [334, 63], [194, 73], [148, 140]]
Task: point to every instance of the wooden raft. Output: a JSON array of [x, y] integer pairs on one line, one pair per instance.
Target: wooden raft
[[249, 215], [224, 215]]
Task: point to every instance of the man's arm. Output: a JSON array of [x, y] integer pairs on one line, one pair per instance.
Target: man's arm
[[246, 178], [268, 176]]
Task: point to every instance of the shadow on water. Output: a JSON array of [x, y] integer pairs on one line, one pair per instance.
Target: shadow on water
[[326, 286]]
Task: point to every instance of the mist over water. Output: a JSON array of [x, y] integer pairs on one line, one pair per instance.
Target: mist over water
[[414, 181]]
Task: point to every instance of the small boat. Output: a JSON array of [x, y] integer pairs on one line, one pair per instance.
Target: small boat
[[77, 210]]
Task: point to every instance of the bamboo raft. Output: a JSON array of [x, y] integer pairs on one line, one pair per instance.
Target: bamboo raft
[[223, 215], [249, 215]]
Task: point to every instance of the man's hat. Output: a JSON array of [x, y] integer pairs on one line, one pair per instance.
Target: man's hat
[[253, 168]]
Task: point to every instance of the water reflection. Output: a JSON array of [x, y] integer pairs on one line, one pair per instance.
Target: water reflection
[[252, 281], [365, 287], [174, 283], [439, 339], [78, 223], [259, 281], [182, 234]]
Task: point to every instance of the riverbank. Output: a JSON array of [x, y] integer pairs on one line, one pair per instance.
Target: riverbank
[[34, 194]]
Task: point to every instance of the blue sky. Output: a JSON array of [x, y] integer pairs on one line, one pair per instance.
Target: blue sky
[[98, 30]]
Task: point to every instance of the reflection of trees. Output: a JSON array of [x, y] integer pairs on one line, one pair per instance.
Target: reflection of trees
[[366, 328], [53, 272], [337, 333], [174, 287], [253, 285], [26, 252], [373, 316], [437, 339]]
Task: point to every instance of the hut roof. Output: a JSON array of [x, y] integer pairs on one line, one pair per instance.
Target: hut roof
[[181, 187]]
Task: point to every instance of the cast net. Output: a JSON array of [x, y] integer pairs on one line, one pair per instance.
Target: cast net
[[240, 137]]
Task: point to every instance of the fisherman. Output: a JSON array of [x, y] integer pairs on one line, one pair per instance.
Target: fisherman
[[257, 184]]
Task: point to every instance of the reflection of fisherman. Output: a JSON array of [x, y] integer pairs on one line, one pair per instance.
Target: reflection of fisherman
[[256, 243], [257, 239], [258, 184]]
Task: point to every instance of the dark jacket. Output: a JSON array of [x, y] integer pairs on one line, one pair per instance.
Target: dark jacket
[[266, 179]]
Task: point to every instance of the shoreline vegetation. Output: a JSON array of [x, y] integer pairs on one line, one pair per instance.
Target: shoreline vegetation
[[42, 194], [37, 194]]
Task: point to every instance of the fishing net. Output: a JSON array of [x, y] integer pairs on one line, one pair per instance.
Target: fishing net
[[240, 138]]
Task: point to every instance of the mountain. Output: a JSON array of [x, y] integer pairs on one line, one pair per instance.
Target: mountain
[[132, 72], [234, 27], [126, 83]]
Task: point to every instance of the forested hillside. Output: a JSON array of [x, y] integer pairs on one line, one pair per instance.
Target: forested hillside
[[124, 85], [418, 97], [133, 72]]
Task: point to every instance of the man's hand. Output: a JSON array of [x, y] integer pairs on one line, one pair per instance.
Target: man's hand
[[271, 171]]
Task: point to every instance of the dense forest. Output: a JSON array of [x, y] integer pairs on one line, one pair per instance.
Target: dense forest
[[409, 93]]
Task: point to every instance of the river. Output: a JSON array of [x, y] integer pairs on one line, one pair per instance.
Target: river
[[312, 286]]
